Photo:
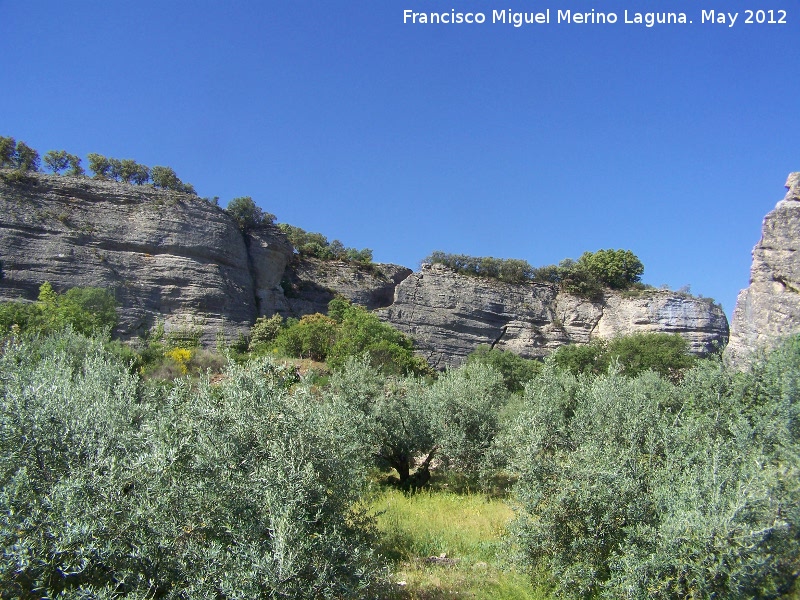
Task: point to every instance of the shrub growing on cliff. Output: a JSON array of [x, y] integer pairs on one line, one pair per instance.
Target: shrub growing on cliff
[[56, 160], [7, 147], [505, 269], [617, 269], [247, 215], [236, 490], [308, 243], [60, 160]]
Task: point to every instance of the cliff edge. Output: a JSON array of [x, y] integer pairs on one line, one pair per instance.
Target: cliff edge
[[769, 308]]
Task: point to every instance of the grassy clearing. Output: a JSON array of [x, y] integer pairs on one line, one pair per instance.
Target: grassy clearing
[[467, 529]]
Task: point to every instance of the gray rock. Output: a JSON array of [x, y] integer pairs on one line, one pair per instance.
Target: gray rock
[[167, 256], [449, 315], [177, 259], [310, 283], [769, 309]]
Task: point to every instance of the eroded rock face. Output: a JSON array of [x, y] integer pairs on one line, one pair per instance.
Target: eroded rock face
[[309, 284], [769, 309], [166, 256], [177, 259], [449, 315]]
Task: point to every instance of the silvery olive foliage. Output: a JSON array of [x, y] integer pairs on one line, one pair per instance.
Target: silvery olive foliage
[[112, 488], [405, 421], [644, 488]]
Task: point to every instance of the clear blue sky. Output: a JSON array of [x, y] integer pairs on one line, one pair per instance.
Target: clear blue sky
[[536, 142]]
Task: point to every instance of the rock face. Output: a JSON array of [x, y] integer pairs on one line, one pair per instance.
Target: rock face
[[770, 307], [166, 256], [179, 260], [310, 283], [449, 315]]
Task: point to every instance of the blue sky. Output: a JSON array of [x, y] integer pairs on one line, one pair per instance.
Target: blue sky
[[538, 142]]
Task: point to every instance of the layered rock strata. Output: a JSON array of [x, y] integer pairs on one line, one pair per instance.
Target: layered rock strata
[[309, 284], [167, 257], [179, 260], [449, 315]]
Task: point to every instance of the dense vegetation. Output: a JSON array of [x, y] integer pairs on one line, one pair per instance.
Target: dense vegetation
[[588, 276], [638, 473], [347, 330]]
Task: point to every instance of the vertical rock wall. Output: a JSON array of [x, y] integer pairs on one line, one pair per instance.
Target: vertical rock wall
[[769, 308]]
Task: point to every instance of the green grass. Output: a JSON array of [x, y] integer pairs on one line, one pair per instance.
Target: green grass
[[467, 528]]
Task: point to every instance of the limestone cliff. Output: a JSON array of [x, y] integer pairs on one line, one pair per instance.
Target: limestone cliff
[[178, 259], [770, 307], [449, 315], [167, 256], [310, 283]]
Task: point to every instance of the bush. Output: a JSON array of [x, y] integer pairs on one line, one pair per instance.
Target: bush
[[264, 331], [307, 243], [311, 337], [247, 215], [665, 353], [86, 310], [617, 269], [110, 489], [643, 488], [516, 371], [505, 269], [361, 331]]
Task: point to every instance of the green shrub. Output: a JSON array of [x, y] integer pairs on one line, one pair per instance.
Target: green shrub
[[643, 488], [112, 489], [516, 371], [307, 243], [664, 353], [86, 310], [247, 215], [361, 331], [311, 337], [505, 269], [264, 331]]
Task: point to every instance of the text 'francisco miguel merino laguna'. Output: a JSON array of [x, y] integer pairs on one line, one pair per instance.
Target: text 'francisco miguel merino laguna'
[[518, 19]]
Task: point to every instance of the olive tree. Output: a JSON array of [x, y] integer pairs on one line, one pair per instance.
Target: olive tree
[[645, 488], [111, 488]]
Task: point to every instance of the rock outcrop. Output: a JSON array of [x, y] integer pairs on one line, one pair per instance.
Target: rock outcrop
[[310, 283], [769, 308], [177, 259], [167, 256], [449, 315]]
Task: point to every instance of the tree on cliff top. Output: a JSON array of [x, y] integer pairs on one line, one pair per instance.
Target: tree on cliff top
[[247, 215]]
